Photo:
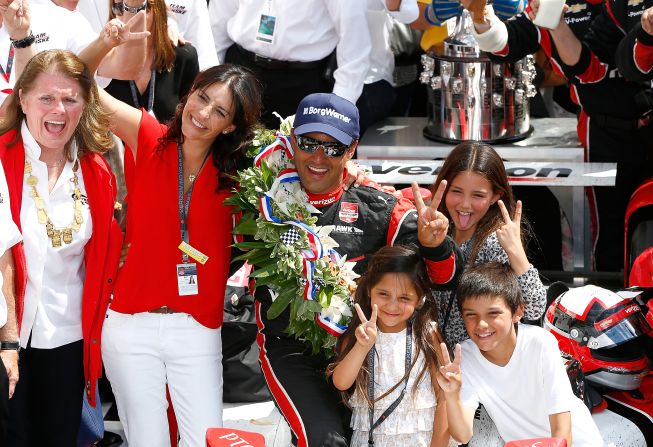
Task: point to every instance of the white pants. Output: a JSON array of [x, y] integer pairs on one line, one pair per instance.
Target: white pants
[[142, 353]]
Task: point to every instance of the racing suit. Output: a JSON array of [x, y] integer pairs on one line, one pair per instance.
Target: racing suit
[[364, 219], [635, 52], [609, 124]]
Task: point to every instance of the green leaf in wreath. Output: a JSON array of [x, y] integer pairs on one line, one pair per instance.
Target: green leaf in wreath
[[265, 271], [246, 226], [281, 303]]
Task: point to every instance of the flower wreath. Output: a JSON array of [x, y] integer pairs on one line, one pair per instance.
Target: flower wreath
[[292, 256]]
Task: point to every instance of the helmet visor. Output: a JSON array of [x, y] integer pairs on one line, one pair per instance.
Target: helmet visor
[[615, 331]]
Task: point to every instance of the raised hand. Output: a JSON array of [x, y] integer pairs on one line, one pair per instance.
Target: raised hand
[[366, 331], [432, 225], [534, 6], [647, 21], [115, 32], [509, 234], [477, 9], [449, 376], [16, 17]]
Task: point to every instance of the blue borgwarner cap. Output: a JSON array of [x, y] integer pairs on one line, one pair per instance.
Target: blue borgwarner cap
[[330, 114]]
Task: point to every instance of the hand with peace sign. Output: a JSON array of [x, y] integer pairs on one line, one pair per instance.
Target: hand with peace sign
[[432, 225], [115, 32], [450, 376], [509, 236], [366, 331]]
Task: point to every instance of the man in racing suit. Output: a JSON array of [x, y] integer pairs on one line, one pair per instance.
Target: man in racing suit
[[364, 219], [610, 125]]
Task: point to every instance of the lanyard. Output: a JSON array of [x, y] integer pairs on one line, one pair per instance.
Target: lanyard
[[150, 98], [10, 62], [370, 383], [185, 205]]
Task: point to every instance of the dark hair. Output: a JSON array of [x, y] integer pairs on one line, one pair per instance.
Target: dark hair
[[91, 132], [396, 259], [228, 150], [490, 279], [483, 160]]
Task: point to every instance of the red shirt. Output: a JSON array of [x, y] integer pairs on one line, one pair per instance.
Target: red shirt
[[148, 280]]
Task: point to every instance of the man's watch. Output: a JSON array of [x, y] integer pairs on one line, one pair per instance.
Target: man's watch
[[9, 346]]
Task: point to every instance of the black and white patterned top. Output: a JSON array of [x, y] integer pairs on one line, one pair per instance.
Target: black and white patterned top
[[531, 286]]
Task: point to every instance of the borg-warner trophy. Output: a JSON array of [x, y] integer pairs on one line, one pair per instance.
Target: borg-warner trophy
[[473, 98]]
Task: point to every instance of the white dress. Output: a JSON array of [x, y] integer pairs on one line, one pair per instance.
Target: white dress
[[411, 423]]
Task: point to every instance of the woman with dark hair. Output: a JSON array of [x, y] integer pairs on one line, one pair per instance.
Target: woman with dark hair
[[486, 225], [162, 328], [166, 71], [62, 199]]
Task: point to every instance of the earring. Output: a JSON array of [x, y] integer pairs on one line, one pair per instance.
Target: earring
[[225, 132]]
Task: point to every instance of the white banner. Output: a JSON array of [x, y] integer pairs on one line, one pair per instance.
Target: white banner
[[562, 173]]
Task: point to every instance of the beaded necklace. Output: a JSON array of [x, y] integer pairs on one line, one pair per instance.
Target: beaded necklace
[[56, 235]]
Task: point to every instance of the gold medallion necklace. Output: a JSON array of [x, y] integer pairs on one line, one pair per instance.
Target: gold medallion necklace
[[56, 235]]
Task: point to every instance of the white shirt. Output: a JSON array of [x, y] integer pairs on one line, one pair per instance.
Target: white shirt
[[305, 30], [55, 276], [9, 236], [190, 17], [54, 28], [379, 19], [520, 396]]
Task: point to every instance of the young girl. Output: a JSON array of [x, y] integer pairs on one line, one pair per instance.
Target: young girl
[[398, 346], [478, 202]]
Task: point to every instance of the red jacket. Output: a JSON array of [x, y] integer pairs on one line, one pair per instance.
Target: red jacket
[[101, 254]]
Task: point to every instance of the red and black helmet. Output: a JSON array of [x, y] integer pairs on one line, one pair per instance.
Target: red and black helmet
[[605, 332]]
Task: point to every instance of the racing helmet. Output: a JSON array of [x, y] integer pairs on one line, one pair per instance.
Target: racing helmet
[[605, 332]]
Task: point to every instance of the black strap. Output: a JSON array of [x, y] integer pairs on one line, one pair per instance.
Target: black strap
[[150, 99], [370, 383], [184, 205]]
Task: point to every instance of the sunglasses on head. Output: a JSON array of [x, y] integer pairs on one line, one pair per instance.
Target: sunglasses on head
[[119, 8], [311, 145]]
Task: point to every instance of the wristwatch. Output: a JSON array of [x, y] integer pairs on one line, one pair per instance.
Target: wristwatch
[[24, 42], [9, 346]]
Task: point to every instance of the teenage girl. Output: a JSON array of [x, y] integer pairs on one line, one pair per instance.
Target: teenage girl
[[479, 204], [398, 347]]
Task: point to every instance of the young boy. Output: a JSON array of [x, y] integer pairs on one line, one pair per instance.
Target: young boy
[[514, 370]]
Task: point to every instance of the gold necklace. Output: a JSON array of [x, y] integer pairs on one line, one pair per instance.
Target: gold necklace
[[56, 235]]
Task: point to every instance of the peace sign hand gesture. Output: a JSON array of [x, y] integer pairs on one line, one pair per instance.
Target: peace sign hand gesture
[[432, 225], [450, 376], [366, 331], [509, 236], [115, 32]]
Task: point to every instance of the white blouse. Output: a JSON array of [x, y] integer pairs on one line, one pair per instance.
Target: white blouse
[[55, 276], [411, 423]]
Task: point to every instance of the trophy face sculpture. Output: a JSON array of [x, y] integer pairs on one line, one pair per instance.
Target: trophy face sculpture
[[471, 97]]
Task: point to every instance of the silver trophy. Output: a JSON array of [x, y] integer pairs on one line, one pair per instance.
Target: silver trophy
[[472, 98]]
